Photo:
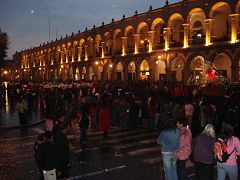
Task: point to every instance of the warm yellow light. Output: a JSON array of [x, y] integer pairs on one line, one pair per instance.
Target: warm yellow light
[[110, 65], [156, 62], [61, 66], [159, 57], [24, 70], [39, 68], [5, 72], [142, 41], [131, 64], [96, 62]]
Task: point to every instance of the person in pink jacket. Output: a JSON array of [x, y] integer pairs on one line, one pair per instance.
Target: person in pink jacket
[[230, 167], [184, 150]]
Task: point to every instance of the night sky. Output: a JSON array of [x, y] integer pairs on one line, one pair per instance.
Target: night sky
[[27, 21]]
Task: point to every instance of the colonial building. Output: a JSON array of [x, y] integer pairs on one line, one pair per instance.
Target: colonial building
[[176, 42]]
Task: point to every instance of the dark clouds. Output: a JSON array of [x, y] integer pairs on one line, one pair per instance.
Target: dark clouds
[[27, 29]]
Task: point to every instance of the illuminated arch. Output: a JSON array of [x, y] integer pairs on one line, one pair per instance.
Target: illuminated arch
[[131, 66], [141, 25], [69, 45], [75, 43], [127, 29], [117, 40], [155, 22], [98, 38], [81, 42], [220, 25], [177, 66], [175, 22], [175, 17], [144, 66], [217, 6], [196, 12], [116, 32], [222, 62], [196, 19], [119, 66], [160, 69]]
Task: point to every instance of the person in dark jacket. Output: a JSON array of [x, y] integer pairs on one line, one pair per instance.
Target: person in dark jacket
[[203, 153], [63, 152], [47, 157], [37, 143], [83, 124]]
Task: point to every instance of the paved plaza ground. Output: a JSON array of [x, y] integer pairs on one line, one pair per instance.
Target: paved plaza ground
[[125, 155]]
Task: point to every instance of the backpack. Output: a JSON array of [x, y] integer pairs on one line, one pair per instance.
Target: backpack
[[220, 151]]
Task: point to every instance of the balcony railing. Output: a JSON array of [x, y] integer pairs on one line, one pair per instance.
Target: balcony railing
[[130, 50], [159, 45], [176, 44], [222, 39], [118, 52], [196, 41], [143, 49]]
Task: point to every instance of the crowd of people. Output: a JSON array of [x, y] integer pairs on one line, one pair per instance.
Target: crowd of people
[[189, 118]]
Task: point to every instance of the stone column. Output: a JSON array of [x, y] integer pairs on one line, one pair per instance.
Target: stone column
[[51, 58], [66, 53], [208, 31], [73, 54], [103, 49], [186, 34], [137, 38], [80, 53], [151, 40], [166, 33], [234, 19], [124, 42], [86, 52], [61, 54]]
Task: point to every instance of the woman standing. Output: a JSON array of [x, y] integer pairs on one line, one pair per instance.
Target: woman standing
[[203, 153], [169, 140], [230, 167], [104, 119], [184, 149]]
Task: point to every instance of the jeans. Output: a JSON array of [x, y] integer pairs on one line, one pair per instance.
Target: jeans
[[182, 170], [223, 170], [169, 165]]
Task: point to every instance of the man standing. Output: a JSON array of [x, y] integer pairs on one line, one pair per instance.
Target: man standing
[[47, 156]]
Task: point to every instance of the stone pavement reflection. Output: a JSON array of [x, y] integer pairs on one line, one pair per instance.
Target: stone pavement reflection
[[125, 155]]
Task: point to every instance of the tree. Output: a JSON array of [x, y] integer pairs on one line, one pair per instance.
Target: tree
[[4, 42]]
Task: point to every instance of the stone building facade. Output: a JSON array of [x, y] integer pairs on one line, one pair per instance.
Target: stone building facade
[[176, 42]]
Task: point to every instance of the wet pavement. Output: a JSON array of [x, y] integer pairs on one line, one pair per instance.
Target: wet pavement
[[125, 155], [9, 115]]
